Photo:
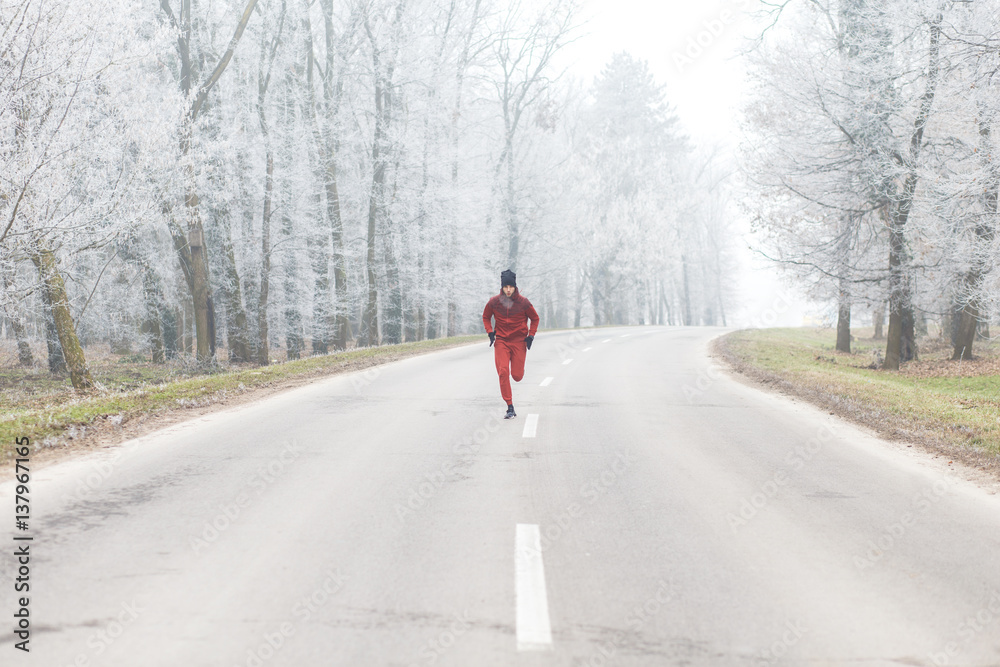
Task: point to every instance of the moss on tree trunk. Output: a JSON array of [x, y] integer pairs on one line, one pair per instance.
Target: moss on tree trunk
[[79, 374]]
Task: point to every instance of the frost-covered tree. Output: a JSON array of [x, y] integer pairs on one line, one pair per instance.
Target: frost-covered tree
[[74, 153], [837, 150]]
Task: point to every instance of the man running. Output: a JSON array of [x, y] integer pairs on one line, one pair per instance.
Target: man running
[[512, 336]]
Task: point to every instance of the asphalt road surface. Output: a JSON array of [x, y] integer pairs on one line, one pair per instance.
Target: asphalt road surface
[[644, 508]]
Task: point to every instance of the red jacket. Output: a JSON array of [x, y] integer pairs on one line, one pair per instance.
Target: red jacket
[[511, 315]]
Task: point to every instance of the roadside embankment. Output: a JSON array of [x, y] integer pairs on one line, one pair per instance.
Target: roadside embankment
[[950, 408]]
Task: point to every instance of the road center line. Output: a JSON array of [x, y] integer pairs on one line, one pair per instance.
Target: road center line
[[534, 631], [530, 426], [546, 382], [606, 340], [567, 362]]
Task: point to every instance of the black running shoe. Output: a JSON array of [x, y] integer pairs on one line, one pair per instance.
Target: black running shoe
[[510, 412]]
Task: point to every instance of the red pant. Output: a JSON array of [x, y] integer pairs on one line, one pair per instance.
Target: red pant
[[509, 355]]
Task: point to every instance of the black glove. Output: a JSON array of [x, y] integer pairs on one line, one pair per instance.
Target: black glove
[[493, 337], [528, 340]]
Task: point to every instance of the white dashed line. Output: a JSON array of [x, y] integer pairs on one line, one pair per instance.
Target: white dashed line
[[567, 362], [546, 382], [530, 426], [534, 631], [587, 349], [606, 340], [626, 335]]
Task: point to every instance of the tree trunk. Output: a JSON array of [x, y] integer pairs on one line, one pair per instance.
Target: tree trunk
[[394, 323], [452, 319], [878, 319], [319, 256], [642, 295], [369, 334], [151, 329], [263, 341], [897, 299], [186, 339], [595, 298], [341, 320], [844, 328], [153, 302], [423, 323], [687, 291], [319, 252], [24, 356], [45, 262], [428, 319], [578, 310], [956, 320], [369, 322], [171, 340], [268, 52], [901, 341], [426, 315], [392, 326], [432, 326], [722, 306], [341, 335], [56, 359], [232, 294], [456, 114], [909, 340], [901, 345], [294, 341], [199, 261], [844, 318], [968, 318]]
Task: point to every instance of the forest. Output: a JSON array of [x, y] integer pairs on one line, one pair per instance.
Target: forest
[[212, 182], [870, 164]]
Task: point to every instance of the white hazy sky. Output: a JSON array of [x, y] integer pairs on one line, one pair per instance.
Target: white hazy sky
[[693, 48]]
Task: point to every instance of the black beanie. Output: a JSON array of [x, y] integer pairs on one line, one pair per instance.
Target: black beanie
[[508, 277]]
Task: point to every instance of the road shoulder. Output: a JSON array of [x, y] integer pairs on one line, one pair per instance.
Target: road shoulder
[[929, 447], [106, 431]]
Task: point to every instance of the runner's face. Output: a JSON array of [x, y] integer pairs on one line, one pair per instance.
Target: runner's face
[[508, 290]]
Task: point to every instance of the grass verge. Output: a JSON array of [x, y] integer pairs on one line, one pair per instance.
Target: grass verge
[[56, 415], [952, 408]]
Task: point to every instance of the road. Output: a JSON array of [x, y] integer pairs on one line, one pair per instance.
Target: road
[[661, 513]]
